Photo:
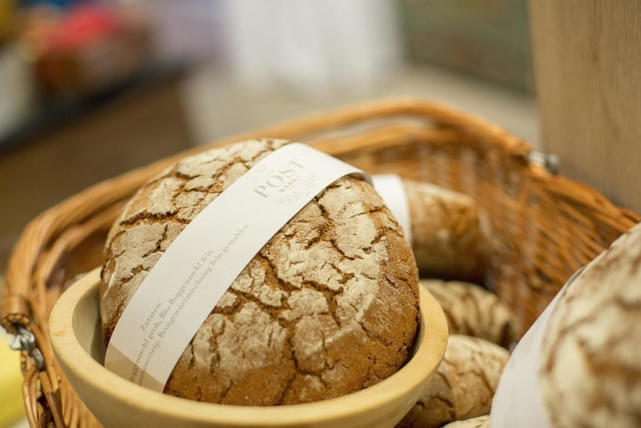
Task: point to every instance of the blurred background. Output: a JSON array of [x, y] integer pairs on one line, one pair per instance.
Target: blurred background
[[90, 89]]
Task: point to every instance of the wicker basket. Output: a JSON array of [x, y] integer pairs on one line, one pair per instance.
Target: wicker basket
[[545, 226]]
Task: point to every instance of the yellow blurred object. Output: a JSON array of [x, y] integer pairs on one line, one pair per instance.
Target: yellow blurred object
[[7, 18], [11, 407]]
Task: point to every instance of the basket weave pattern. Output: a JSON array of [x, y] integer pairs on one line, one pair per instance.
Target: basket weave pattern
[[544, 226]]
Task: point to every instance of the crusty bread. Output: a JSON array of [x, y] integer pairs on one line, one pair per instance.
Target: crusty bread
[[474, 311], [591, 356], [327, 307], [449, 236], [463, 385]]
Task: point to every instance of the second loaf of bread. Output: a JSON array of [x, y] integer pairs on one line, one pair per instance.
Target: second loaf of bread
[[449, 233]]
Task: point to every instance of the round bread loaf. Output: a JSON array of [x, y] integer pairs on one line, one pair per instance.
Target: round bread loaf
[[462, 386], [591, 356], [328, 306], [474, 311], [449, 233]]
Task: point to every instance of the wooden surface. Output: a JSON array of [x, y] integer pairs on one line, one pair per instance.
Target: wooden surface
[[588, 66], [77, 341]]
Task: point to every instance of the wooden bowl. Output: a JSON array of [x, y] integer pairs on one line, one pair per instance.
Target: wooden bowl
[[78, 343]]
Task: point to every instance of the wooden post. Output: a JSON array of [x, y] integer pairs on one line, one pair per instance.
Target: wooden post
[[588, 75]]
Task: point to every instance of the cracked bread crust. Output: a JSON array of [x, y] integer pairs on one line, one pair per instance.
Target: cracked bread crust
[[462, 386], [590, 367], [474, 311], [449, 233], [327, 307]]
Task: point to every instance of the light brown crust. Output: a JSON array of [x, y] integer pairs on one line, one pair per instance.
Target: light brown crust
[[474, 311], [591, 355], [449, 236], [327, 307], [463, 385]]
